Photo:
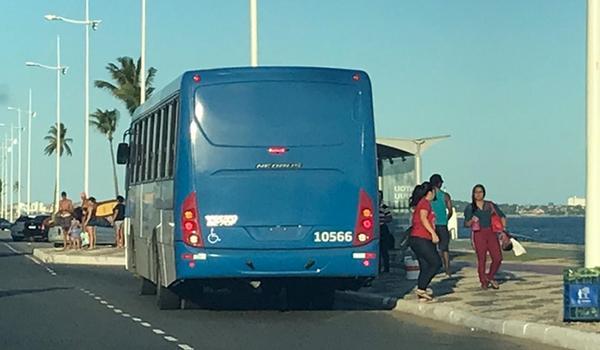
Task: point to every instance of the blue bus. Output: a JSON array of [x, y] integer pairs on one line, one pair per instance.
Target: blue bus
[[263, 176]]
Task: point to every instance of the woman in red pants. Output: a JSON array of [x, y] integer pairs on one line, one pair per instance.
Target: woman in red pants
[[478, 216]]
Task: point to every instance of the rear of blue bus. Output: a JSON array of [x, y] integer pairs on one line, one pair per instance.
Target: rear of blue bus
[[276, 177]]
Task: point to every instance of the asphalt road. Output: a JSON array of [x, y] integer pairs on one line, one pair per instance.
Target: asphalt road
[[75, 307]]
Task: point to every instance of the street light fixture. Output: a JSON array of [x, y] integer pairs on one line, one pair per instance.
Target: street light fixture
[[60, 70], [94, 23]]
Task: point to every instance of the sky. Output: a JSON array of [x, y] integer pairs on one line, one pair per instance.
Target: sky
[[506, 79]]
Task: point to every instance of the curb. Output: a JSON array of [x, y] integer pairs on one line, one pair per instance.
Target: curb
[[542, 333], [78, 260], [370, 299]]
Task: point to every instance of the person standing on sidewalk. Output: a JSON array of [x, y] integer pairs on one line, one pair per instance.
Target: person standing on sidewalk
[[442, 207], [117, 219], [478, 216], [424, 238], [386, 239], [63, 217]]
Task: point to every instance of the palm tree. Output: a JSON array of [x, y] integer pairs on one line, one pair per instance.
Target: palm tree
[[127, 82], [52, 146], [106, 123], [64, 141]]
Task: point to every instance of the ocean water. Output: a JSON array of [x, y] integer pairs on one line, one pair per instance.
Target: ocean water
[[564, 229]]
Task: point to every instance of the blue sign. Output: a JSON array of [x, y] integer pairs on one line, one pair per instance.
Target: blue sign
[[584, 295]]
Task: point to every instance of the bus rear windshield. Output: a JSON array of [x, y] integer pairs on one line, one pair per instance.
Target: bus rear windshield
[[287, 113]]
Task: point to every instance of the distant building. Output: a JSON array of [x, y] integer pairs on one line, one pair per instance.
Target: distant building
[[576, 202]]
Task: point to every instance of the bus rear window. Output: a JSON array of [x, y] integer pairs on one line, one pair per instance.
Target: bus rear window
[[289, 113]]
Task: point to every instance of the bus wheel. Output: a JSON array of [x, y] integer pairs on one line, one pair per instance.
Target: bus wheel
[[147, 287], [166, 299]]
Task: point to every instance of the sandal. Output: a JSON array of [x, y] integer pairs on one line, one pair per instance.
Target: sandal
[[494, 284], [422, 294]]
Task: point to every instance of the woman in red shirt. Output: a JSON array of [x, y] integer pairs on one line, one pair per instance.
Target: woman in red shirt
[[423, 238]]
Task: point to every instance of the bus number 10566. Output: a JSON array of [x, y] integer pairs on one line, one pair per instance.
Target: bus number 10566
[[327, 236]]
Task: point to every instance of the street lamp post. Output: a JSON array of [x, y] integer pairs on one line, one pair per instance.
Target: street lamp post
[[143, 56], [253, 34], [4, 187], [30, 114], [12, 168], [60, 70], [19, 129], [94, 24]]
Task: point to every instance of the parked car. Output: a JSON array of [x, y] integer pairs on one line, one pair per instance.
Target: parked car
[[105, 234], [5, 224], [30, 228]]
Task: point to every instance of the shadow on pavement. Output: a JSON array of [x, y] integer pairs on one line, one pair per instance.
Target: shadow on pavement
[[10, 293]]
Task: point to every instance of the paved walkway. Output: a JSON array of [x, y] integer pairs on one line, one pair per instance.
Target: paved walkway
[[531, 290]]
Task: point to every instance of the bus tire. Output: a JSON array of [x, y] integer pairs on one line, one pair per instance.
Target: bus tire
[[147, 287], [166, 299]]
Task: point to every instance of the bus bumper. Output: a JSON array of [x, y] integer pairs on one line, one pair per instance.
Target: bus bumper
[[349, 262]]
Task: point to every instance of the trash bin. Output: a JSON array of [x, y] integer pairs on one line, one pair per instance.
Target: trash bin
[[581, 294]]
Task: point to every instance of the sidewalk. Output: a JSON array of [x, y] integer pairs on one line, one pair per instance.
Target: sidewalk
[[99, 256], [528, 304]]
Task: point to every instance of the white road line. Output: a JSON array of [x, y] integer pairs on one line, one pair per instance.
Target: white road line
[[158, 331], [33, 259], [12, 249]]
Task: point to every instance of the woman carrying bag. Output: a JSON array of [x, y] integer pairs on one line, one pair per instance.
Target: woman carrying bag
[[486, 221]]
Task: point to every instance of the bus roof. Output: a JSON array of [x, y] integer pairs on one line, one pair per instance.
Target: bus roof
[[222, 75]]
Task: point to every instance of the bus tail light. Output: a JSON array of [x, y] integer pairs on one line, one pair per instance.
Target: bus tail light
[[192, 234], [364, 231]]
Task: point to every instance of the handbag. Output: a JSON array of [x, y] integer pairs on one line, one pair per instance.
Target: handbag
[[505, 241], [497, 225]]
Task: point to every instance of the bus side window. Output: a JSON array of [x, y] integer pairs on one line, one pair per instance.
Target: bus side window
[[132, 156], [149, 147], [155, 143], [137, 148], [144, 150], [159, 143], [164, 142], [172, 134]]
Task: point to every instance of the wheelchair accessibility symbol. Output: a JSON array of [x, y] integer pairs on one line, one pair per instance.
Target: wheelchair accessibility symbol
[[213, 237]]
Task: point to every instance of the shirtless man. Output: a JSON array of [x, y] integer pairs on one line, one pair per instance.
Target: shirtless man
[[64, 216]]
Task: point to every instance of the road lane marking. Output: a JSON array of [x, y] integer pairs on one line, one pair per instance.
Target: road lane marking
[[12, 249], [157, 331], [33, 259]]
